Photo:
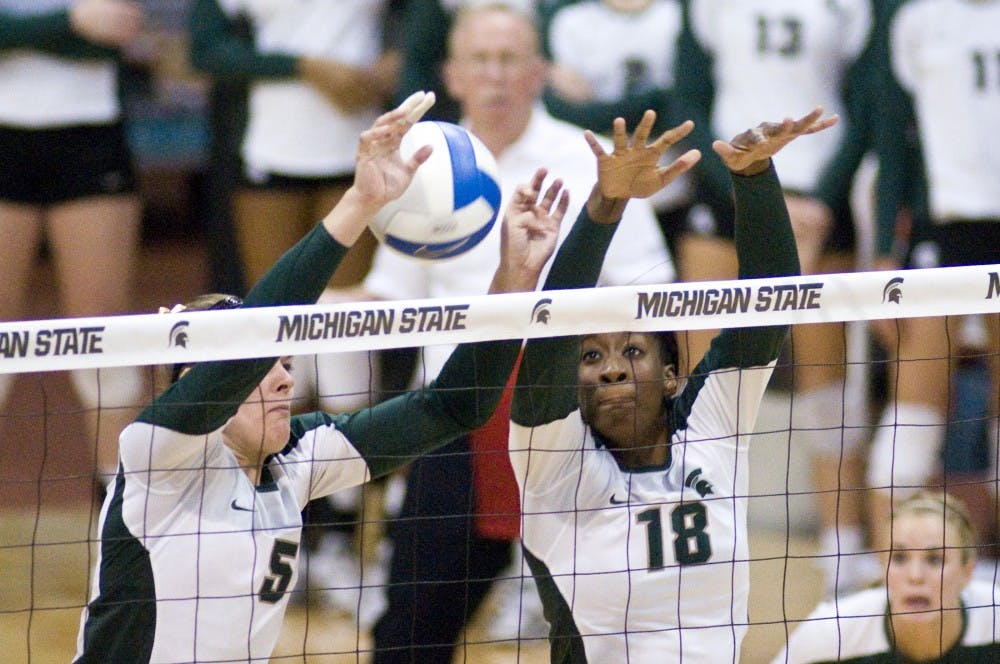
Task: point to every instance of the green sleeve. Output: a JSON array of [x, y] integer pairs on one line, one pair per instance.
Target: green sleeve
[[50, 33], [694, 94], [425, 27], [211, 392], [220, 46], [460, 400], [860, 95], [546, 381], [765, 247], [901, 183]]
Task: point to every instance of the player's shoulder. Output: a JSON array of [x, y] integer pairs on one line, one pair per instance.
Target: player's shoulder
[[980, 599], [845, 619]]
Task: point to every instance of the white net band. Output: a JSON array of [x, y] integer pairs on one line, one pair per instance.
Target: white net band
[[50, 345]]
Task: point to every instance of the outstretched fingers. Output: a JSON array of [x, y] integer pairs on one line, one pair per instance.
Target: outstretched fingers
[[412, 109], [678, 166], [595, 145], [551, 194], [554, 193], [643, 129], [673, 135]]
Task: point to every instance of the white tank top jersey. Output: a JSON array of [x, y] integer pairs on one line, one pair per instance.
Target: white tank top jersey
[[205, 529], [292, 128], [678, 589], [43, 91], [776, 58], [946, 54]]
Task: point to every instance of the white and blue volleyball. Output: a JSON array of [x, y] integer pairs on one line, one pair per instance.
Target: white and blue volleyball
[[453, 200]]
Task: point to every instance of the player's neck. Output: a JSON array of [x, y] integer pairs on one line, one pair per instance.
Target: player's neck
[[928, 641]]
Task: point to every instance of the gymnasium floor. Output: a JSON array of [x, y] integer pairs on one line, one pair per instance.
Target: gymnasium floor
[[46, 583]]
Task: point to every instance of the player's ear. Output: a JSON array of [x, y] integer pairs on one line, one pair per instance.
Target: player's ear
[[669, 381]]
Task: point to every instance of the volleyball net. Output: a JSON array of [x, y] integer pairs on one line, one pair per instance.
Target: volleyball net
[[783, 503]]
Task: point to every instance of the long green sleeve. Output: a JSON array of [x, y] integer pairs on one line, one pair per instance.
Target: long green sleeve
[[460, 400], [211, 392], [50, 33], [546, 381], [765, 247], [219, 48]]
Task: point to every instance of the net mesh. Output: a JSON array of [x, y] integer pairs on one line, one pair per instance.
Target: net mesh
[[51, 475]]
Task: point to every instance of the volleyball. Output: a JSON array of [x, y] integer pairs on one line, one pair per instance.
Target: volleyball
[[453, 200]]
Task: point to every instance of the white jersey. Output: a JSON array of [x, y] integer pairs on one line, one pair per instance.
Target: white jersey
[[205, 529], [293, 129], [638, 255], [40, 90], [637, 49], [776, 58], [636, 55], [647, 565], [946, 54], [854, 629], [683, 565]]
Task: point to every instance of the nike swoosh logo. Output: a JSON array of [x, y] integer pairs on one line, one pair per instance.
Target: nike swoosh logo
[[615, 501], [239, 507]]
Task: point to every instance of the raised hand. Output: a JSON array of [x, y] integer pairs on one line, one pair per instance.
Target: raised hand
[[529, 234], [380, 174], [749, 152], [632, 169]]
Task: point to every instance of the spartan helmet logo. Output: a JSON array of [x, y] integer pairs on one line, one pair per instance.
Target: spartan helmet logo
[[540, 313], [179, 335], [695, 481], [893, 292]]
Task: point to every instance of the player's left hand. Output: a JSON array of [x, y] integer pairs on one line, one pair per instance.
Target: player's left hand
[[529, 233], [632, 169], [748, 153], [380, 174]]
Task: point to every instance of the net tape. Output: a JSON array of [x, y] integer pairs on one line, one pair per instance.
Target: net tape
[[62, 344]]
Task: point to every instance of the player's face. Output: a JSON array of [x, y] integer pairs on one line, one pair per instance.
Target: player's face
[[261, 425], [623, 384], [927, 569], [494, 69]]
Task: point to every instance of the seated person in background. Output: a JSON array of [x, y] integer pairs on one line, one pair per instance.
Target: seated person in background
[[930, 609]]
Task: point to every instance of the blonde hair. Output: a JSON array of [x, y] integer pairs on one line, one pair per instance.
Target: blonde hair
[[951, 509]]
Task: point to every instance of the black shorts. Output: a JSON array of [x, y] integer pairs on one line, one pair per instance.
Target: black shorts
[[956, 243], [713, 218], [49, 166], [970, 242], [293, 182]]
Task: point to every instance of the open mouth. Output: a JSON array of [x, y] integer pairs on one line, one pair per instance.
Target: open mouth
[[916, 604]]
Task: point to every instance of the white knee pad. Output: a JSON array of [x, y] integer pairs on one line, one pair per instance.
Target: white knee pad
[[109, 387], [906, 449], [827, 426]]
